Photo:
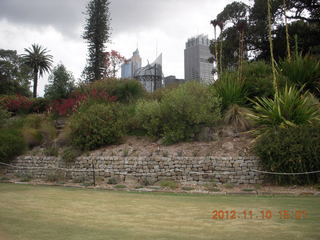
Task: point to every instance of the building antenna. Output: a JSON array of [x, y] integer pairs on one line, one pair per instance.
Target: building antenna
[[156, 49]]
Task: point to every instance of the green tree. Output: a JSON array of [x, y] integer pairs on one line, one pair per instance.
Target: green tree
[[96, 33], [15, 76], [61, 83], [40, 61]]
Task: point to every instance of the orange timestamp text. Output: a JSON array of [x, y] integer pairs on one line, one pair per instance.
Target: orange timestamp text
[[258, 214]]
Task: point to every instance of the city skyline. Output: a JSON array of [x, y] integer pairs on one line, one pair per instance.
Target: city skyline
[[155, 26]]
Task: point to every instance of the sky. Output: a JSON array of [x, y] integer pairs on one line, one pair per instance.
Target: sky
[[154, 26]]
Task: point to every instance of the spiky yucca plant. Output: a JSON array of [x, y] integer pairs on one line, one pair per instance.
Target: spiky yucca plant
[[290, 108]]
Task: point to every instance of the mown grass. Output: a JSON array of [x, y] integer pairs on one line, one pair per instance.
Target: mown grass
[[37, 212]]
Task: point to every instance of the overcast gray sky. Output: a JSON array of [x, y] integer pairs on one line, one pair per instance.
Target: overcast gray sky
[[58, 26]]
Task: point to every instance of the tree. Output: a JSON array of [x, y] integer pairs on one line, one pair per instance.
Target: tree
[[40, 62], [15, 76], [96, 33], [257, 38], [112, 62], [61, 83]]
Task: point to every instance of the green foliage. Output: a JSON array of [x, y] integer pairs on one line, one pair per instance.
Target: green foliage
[[290, 107], [38, 105], [4, 116], [97, 126], [257, 78], [231, 90], [96, 32], [180, 113], [119, 186], [51, 151], [185, 108], [35, 128], [32, 137], [15, 76], [126, 90], [237, 117], [168, 184], [291, 150], [148, 114], [61, 83], [112, 180], [70, 154], [302, 71], [12, 144]]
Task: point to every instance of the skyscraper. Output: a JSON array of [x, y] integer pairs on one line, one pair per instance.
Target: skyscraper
[[196, 55], [129, 68]]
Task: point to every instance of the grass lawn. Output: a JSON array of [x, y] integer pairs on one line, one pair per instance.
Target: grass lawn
[[54, 213]]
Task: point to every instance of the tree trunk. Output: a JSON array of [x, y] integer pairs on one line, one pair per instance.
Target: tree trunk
[[35, 82]]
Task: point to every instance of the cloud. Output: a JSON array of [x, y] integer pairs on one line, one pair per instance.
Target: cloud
[[152, 24], [64, 15]]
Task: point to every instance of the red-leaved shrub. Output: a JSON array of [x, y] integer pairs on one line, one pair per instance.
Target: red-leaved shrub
[[67, 106], [16, 103]]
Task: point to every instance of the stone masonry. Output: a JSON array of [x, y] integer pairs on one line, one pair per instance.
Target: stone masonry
[[183, 169]]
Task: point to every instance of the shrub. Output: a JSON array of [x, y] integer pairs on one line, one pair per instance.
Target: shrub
[[302, 71], [237, 117], [33, 121], [291, 150], [70, 154], [231, 90], [36, 129], [32, 137], [11, 144], [257, 78], [289, 108], [126, 90], [148, 114], [4, 116], [185, 109], [39, 105], [97, 126], [51, 151], [112, 181], [16, 103], [48, 131], [168, 184], [68, 106]]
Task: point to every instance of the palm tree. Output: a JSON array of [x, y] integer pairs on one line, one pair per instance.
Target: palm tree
[[38, 59]]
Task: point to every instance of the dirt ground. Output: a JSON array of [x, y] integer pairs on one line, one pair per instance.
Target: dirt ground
[[223, 147]]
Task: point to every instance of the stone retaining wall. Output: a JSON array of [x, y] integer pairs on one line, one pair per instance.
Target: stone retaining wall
[[183, 169]]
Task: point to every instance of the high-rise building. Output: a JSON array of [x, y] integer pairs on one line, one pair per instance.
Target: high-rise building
[[130, 66], [196, 55]]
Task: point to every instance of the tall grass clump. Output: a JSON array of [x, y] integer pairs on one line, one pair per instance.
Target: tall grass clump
[[231, 90]]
